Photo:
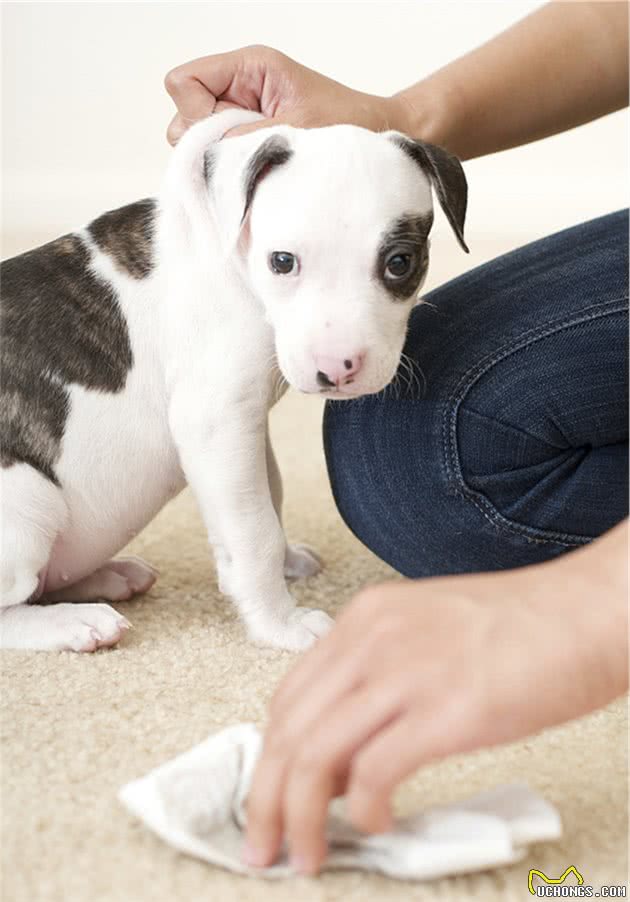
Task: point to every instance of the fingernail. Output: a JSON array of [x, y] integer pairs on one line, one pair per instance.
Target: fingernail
[[252, 857]]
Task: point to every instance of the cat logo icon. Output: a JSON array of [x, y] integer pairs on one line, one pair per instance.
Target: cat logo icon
[[550, 880]]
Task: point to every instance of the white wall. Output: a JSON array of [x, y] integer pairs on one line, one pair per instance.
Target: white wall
[[85, 112]]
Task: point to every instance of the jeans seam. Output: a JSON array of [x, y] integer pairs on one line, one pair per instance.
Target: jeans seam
[[452, 463]]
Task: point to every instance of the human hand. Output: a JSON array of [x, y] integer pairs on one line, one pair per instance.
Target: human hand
[[262, 79], [415, 671]]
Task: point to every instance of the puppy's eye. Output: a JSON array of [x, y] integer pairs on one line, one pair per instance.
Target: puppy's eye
[[398, 266], [283, 263]]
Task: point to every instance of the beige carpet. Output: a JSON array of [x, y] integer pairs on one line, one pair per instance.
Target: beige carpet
[[76, 727]]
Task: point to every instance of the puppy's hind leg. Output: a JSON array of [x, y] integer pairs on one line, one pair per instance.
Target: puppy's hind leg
[[33, 512], [117, 580]]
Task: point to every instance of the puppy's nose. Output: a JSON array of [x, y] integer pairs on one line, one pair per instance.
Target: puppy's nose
[[336, 371]]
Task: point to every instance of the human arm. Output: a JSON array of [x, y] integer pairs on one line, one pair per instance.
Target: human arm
[[417, 670], [561, 66], [564, 64]]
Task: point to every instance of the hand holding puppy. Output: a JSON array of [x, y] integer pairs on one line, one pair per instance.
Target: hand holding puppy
[[265, 80]]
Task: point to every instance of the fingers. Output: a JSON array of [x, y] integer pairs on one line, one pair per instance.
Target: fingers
[[376, 770], [252, 127], [252, 78], [288, 724], [176, 129], [196, 86], [335, 699], [418, 737], [192, 97], [295, 117], [179, 125], [264, 810], [293, 785]]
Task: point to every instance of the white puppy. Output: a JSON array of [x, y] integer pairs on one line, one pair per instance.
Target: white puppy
[[144, 352]]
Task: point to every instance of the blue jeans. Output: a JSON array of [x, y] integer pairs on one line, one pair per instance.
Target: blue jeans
[[511, 447]]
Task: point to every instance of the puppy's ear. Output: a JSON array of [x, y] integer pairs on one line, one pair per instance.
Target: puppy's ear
[[273, 152], [234, 174], [447, 178]]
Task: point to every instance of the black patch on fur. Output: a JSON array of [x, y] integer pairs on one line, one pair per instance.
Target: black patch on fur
[[323, 381], [59, 324], [126, 235], [446, 175], [208, 166], [273, 152], [407, 235]]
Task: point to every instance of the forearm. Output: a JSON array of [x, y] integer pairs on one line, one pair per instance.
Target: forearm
[[563, 65], [586, 610]]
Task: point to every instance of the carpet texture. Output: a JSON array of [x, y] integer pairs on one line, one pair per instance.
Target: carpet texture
[[75, 728]]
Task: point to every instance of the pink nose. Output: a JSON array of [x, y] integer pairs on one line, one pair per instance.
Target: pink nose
[[337, 370]]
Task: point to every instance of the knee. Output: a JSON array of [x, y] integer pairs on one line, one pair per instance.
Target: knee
[[542, 455], [491, 500], [388, 481]]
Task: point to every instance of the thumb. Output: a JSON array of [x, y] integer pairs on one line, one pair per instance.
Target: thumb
[[251, 127]]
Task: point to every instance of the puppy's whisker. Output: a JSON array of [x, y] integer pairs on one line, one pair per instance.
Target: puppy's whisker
[[413, 368], [278, 382]]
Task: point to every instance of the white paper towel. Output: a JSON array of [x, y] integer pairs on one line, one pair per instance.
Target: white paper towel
[[196, 803]]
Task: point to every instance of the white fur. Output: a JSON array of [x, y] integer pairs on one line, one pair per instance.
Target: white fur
[[208, 328]]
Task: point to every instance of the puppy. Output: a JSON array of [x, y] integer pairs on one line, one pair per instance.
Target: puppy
[[144, 351]]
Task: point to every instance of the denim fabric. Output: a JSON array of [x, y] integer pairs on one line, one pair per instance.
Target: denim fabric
[[511, 446]]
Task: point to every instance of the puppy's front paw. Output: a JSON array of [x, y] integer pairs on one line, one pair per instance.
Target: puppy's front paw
[[301, 561], [301, 629]]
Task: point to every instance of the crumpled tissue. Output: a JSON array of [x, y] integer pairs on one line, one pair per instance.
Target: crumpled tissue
[[196, 803]]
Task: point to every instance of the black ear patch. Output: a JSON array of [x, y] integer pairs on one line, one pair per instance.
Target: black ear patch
[[273, 152], [208, 166], [446, 175]]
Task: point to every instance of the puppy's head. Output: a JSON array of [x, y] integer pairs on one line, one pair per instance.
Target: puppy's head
[[331, 228]]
